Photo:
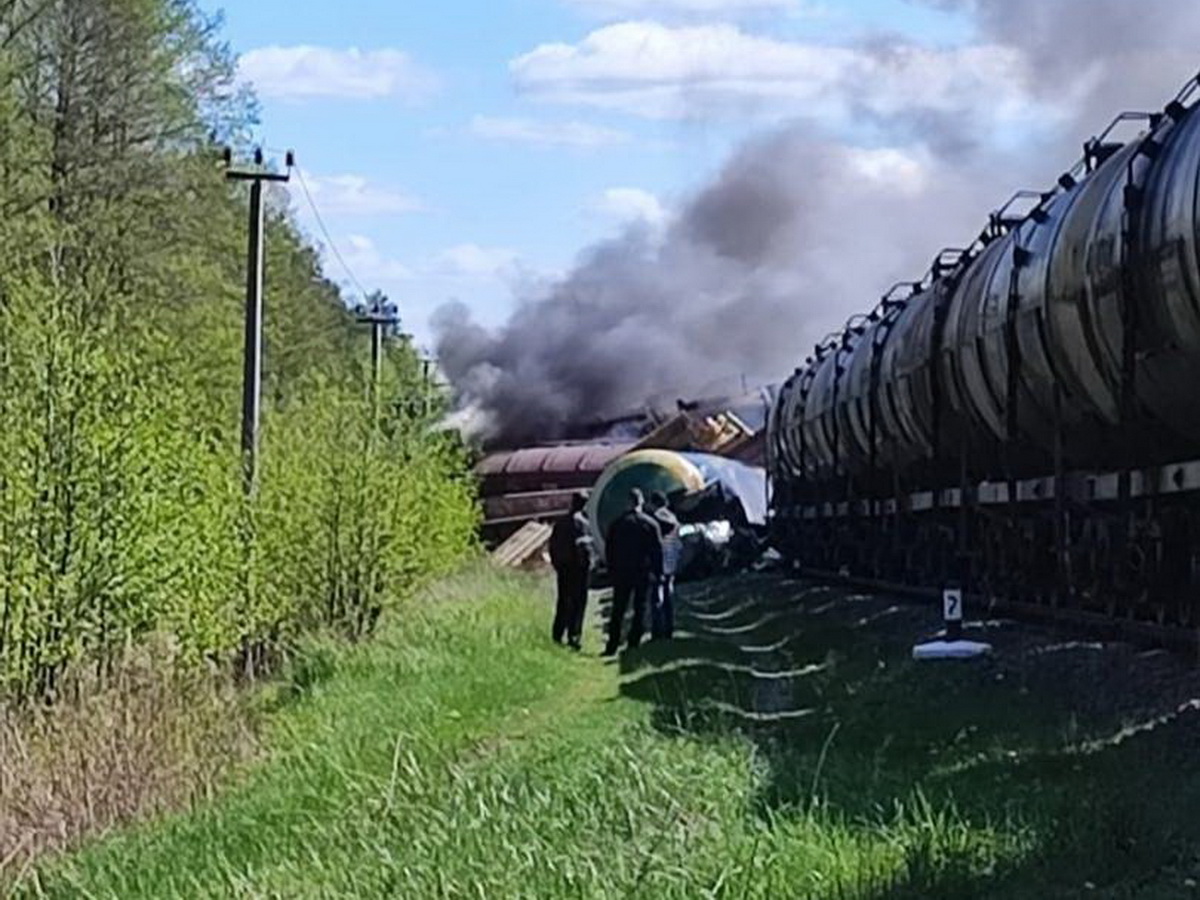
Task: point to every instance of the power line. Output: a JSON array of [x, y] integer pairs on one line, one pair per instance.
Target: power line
[[328, 237], [389, 317]]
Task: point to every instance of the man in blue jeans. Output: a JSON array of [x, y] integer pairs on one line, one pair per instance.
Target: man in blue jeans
[[633, 548], [662, 601]]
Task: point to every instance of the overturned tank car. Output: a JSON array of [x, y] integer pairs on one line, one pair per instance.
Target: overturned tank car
[[721, 504]]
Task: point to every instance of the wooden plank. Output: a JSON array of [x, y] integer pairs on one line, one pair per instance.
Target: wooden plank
[[522, 545]]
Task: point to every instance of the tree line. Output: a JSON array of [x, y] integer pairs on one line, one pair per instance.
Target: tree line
[[122, 513]]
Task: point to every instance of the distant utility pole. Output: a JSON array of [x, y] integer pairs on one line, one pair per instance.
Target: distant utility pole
[[381, 314], [252, 354], [426, 398]]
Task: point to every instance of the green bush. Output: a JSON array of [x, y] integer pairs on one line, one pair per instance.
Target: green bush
[[122, 513]]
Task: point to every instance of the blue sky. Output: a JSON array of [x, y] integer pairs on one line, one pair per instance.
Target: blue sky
[[468, 149]]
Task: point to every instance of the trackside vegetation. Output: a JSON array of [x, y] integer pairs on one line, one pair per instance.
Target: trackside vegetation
[[121, 510], [784, 746]]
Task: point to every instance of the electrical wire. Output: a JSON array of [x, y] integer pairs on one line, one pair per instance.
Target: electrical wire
[[329, 239], [325, 231]]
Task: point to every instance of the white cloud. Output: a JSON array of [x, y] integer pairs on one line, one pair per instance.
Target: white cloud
[[630, 205], [465, 262], [474, 261], [546, 134], [891, 167], [305, 71], [722, 8], [660, 71], [368, 262], [355, 195]]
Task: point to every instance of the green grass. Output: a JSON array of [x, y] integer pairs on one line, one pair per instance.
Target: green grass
[[462, 755]]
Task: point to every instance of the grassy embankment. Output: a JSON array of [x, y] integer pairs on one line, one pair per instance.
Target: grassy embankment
[[784, 747]]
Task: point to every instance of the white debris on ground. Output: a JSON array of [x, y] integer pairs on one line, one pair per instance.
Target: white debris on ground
[[951, 650]]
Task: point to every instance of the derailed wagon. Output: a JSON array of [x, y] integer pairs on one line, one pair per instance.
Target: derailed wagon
[[721, 504]]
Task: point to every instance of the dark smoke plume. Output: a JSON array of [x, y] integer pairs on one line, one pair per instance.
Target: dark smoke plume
[[797, 232], [1107, 56], [757, 267]]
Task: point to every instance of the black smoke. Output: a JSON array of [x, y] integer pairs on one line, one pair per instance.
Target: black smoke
[[754, 270], [797, 232], [1102, 56]]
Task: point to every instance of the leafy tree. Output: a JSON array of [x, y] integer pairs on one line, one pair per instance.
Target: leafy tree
[[121, 510]]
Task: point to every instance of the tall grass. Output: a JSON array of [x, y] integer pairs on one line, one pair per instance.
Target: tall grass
[[153, 737], [463, 756]]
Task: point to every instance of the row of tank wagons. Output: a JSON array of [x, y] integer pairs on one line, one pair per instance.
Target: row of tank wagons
[[1076, 312]]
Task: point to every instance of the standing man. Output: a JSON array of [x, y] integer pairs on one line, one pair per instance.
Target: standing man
[[571, 556], [634, 550], [662, 610]]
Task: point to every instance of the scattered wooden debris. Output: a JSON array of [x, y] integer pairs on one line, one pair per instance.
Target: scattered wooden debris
[[525, 547], [720, 434]]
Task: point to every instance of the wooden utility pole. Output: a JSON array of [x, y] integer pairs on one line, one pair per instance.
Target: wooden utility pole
[[381, 314], [426, 399], [252, 352]]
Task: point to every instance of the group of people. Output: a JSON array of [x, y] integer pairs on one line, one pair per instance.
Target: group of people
[[642, 548]]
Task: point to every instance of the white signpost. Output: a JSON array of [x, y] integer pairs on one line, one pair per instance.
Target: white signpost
[[952, 646], [952, 612]]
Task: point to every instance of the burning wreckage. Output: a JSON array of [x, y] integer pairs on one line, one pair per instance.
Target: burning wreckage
[[707, 458], [721, 505]]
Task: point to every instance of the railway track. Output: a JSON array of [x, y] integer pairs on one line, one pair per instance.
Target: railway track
[[1093, 623]]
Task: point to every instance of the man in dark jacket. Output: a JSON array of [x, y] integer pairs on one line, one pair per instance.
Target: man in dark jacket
[[662, 609], [571, 556], [633, 548]]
